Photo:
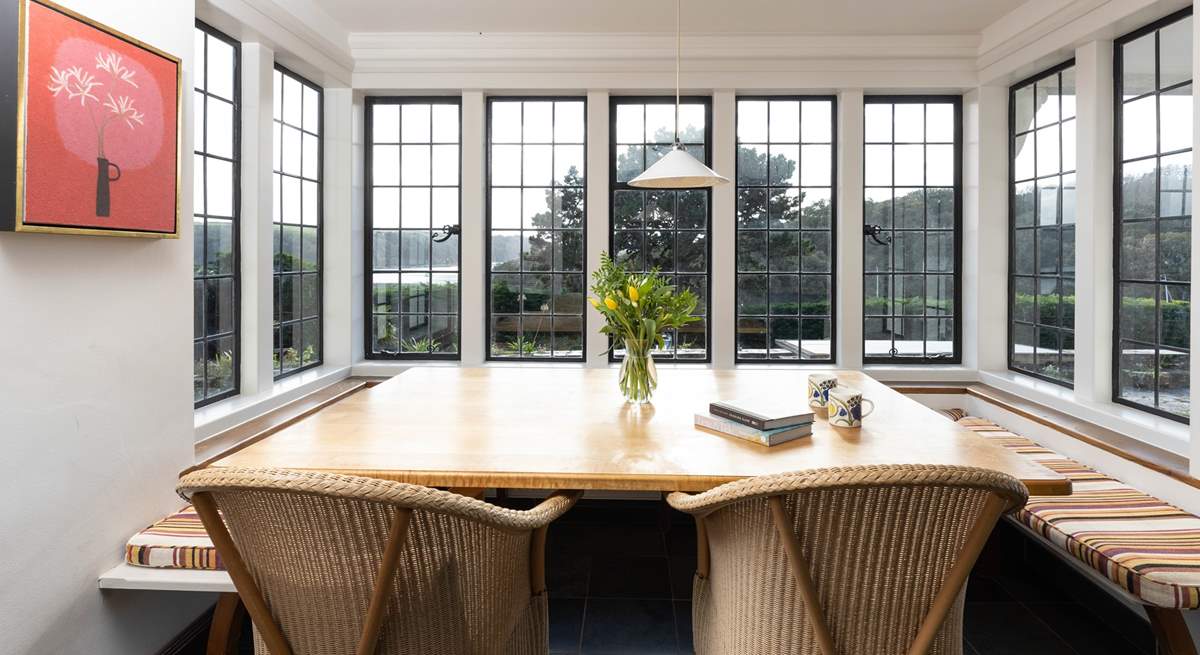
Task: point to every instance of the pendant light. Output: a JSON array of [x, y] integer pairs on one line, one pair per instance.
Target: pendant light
[[678, 169]]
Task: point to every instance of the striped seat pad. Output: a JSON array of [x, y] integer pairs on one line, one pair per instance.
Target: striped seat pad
[[178, 541], [1148, 547]]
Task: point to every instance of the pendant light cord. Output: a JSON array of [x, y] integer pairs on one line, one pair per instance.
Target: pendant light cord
[[677, 48]]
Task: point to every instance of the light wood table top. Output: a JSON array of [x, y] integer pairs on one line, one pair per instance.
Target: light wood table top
[[552, 428]]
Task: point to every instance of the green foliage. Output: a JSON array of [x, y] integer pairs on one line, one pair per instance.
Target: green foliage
[[218, 372], [639, 306], [522, 346], [425, 345]]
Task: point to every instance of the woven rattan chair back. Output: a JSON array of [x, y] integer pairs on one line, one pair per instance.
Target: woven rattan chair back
[[850, 561], [331, 564]]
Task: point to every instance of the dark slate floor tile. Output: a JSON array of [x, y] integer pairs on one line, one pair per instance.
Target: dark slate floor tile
[[681, 540], [683, 625], [629, 627], [606, 539], [985, 589], [566, 624], [683, 571], [1010, 629], [629, 577], [1087, 633], [567, 575], [619, 512]]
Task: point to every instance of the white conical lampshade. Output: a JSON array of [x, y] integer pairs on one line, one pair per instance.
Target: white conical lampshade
[[678, 169]]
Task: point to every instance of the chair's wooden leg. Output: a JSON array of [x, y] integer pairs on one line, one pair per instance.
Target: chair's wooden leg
[[702, 552], [226, 629], [537, 560], [256, 606], [1170, 631]]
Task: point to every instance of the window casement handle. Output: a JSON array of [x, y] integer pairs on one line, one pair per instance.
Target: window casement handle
[[446, 232], [877, 234]]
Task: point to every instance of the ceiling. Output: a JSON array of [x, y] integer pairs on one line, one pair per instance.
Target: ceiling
[[699, 16]]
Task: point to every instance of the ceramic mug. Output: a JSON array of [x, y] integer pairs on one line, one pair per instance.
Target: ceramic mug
[[819, 385], [845, 407]]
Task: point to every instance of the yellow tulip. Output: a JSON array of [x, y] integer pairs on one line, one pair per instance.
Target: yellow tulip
[[633, 293], [610, 303], [595, 303]]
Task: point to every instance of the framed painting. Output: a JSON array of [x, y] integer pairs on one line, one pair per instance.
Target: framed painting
[[90, 122]]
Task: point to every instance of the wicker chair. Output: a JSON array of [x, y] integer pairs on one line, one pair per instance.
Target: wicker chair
[[849, 561], [331, 564]]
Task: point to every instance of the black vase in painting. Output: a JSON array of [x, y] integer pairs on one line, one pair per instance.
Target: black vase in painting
[[103, 185]]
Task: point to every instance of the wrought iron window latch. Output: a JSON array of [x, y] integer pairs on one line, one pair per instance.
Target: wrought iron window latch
[[877, 234], [446, 232]]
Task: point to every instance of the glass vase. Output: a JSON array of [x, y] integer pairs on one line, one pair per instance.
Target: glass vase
[[638, 374]]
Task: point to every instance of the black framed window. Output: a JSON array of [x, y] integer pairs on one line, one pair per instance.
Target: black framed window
[[536, 213], [216, 341], [297, 216], [1152, 212], [662, 228], [912, 214], [1041, 249], [413, 206], [785, 228]]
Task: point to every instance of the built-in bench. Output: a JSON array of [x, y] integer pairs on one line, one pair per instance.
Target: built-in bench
[[1144, 547]]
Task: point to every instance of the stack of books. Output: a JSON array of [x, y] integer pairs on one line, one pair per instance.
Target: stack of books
[[761, 421]]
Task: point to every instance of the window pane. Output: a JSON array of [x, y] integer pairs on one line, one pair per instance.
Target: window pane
[[1153, 228], [536, 218], [215, 254], [1042, 260], [910, 259], [669, 229], [298, 276], [419, 319], [793, 236]]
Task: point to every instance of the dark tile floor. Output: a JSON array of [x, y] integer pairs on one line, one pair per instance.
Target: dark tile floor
[[619, 574]]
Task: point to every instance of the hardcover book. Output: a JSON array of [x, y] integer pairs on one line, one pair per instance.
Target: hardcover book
[[763, 437], [763, 414]]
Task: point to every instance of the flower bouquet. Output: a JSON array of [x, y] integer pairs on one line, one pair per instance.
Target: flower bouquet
[[639, 308]]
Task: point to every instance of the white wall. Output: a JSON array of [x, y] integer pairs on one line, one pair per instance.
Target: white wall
[[97, 406]]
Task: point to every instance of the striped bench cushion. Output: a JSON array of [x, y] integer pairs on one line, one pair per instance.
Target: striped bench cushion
[[178, 541], [1148, 547]]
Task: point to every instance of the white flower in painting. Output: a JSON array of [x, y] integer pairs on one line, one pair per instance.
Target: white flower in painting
[[111, 64], [122, 108], [76, 82]]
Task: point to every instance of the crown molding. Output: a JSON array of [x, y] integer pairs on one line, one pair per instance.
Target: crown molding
[[1042, 33], [464, 52], [303, 36]]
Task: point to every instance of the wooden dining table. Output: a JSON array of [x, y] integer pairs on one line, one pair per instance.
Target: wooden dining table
[[569, 428]]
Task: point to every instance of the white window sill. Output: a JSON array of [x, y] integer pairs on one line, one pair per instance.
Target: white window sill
[[220, 416], [921, 373], [1155, 430]]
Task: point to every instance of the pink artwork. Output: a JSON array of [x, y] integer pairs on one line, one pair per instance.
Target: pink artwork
[[100, 130]]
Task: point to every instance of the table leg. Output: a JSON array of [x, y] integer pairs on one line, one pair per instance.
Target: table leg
[[226, 628]]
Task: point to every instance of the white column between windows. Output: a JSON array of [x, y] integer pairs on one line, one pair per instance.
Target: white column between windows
[[722, 312], [848, 328], [255, 229], [985, 229], [338, 262], [1194, 373], [1094, 222], [596, 237], [474, 229]]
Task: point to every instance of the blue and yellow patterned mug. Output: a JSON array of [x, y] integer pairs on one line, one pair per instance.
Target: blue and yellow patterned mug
[[845, 407], [819, 385]]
